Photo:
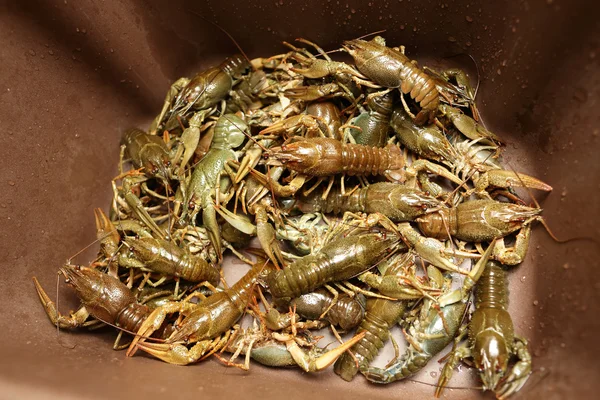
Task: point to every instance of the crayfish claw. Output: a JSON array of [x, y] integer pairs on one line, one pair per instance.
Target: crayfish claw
[[177, 353], [171, 353], [506, 179], [331, 356]]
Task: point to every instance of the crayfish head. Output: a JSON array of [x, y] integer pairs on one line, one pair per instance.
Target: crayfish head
[[357, 47], [145, 249], [195, 327], [301, 156], [157, 165], [103, 295], [363, 51], [188, 96], [491, 358], [87, 282]]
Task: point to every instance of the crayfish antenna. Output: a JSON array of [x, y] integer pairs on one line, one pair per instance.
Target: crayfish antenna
[[371, 34], [225, 32], [545, 224]]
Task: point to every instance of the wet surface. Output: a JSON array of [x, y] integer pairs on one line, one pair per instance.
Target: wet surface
[[74, 75]]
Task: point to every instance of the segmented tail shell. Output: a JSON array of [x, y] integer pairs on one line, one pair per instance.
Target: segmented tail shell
[[334, 203], [131, 317], [492, 288], [376, 326], [366, 160], [235, 65]]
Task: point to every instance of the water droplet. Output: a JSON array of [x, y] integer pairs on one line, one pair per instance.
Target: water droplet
[[469, 19], [11, 183], [535, 303], [51, 52], [31, 52], [523, 278], [499, 71], [433, 374], [401, 27], [451, 39]]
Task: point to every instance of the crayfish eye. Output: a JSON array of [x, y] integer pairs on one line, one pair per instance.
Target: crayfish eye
[[168, 163]]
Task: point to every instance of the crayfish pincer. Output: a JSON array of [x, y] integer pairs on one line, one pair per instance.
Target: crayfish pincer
[[211, 318], [210, 173], [381, 315], [102, 296], [390, 68], [339, 260], [482, 221], [397, 202], [169, 259], [491, 339], [203, 91], [326, 157]]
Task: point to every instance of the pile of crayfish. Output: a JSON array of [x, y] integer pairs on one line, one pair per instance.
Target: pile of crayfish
[[376, 195]]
